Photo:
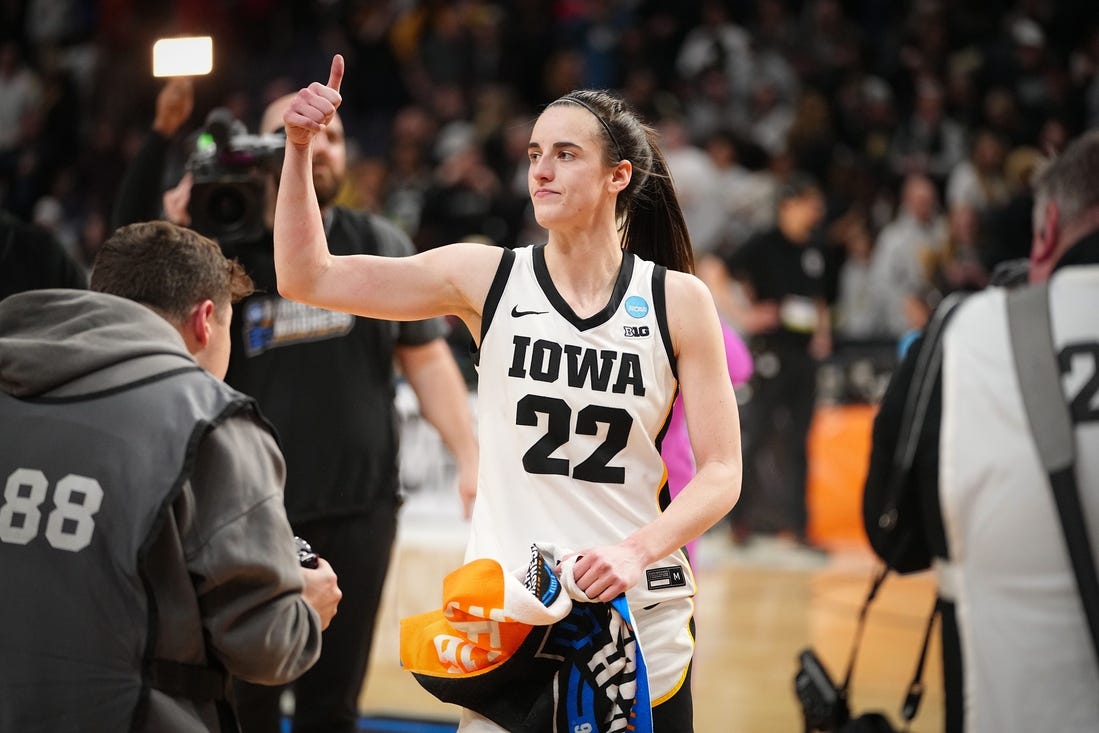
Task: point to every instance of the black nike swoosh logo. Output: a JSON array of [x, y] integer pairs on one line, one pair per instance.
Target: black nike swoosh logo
[[516, 313]]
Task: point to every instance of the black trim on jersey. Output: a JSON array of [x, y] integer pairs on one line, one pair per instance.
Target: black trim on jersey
[[492, 300], [660, 305], [664, 497], [559, 304], [663, 432], [664, 492]]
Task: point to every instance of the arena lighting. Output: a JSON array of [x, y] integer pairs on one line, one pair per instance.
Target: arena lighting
[[191, 56]]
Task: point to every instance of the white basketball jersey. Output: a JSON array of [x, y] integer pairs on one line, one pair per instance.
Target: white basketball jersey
[[572, 410]]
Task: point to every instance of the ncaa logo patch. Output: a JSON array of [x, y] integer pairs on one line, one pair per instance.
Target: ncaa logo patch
[[637, 306]]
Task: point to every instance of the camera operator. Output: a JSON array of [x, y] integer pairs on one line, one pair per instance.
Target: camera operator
[[142, 536], [327, 382], [978, 500]]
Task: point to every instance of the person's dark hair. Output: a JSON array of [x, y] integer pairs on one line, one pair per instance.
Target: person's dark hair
[[796, 186], [652, 220], [168, 268]]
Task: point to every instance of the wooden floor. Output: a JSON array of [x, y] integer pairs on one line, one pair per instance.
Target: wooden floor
[[756, 609]]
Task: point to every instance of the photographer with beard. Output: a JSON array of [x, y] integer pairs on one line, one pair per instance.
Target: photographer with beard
[[326, 381]]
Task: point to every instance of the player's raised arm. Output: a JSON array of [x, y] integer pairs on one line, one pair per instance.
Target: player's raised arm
[[447, 280], [301, 248]]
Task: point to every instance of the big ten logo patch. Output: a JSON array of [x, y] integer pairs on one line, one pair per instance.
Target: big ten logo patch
[[635, 332]]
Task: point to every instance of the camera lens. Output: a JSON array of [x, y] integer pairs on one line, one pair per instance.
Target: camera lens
[[227, 207]]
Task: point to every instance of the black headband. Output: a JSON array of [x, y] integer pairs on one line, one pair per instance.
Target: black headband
[[603, 122]]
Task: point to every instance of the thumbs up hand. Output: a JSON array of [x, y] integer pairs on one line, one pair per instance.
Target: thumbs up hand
[[314, 106]]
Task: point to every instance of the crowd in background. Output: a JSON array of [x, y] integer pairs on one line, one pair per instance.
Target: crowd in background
[[921, 120]]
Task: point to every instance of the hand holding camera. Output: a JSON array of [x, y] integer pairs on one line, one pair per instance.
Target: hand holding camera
[[321, 590], [306, 557], [174, 104]]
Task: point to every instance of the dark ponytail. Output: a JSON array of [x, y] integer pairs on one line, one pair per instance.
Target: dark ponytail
[[653, 226]]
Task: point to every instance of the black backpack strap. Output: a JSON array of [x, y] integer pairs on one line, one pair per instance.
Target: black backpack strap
[[926, 371], [1051, 426], [915, 408], [194, 682], [914, 695], [189, 681]]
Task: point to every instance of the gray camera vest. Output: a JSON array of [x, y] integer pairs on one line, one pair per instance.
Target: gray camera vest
[[86, 485]]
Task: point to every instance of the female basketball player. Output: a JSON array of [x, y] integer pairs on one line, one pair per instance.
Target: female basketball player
[[582, 344]]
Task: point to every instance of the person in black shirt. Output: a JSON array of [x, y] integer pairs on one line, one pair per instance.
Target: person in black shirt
[[327, 382], [781, 273]]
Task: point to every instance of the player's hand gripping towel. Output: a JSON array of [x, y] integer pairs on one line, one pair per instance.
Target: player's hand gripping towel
[[515, 648]]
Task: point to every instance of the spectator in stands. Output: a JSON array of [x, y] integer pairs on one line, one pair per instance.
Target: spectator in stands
[[978, 182], [781, 275], [899, 276], [927, 142]]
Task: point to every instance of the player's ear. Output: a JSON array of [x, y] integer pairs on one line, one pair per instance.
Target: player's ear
[[197, 327], [621, 175]]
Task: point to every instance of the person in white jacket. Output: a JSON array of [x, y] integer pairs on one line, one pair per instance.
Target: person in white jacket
[[979, 507], [1028, 659]]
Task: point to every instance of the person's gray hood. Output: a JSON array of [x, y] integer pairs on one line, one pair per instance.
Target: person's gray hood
[[51, 338]]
